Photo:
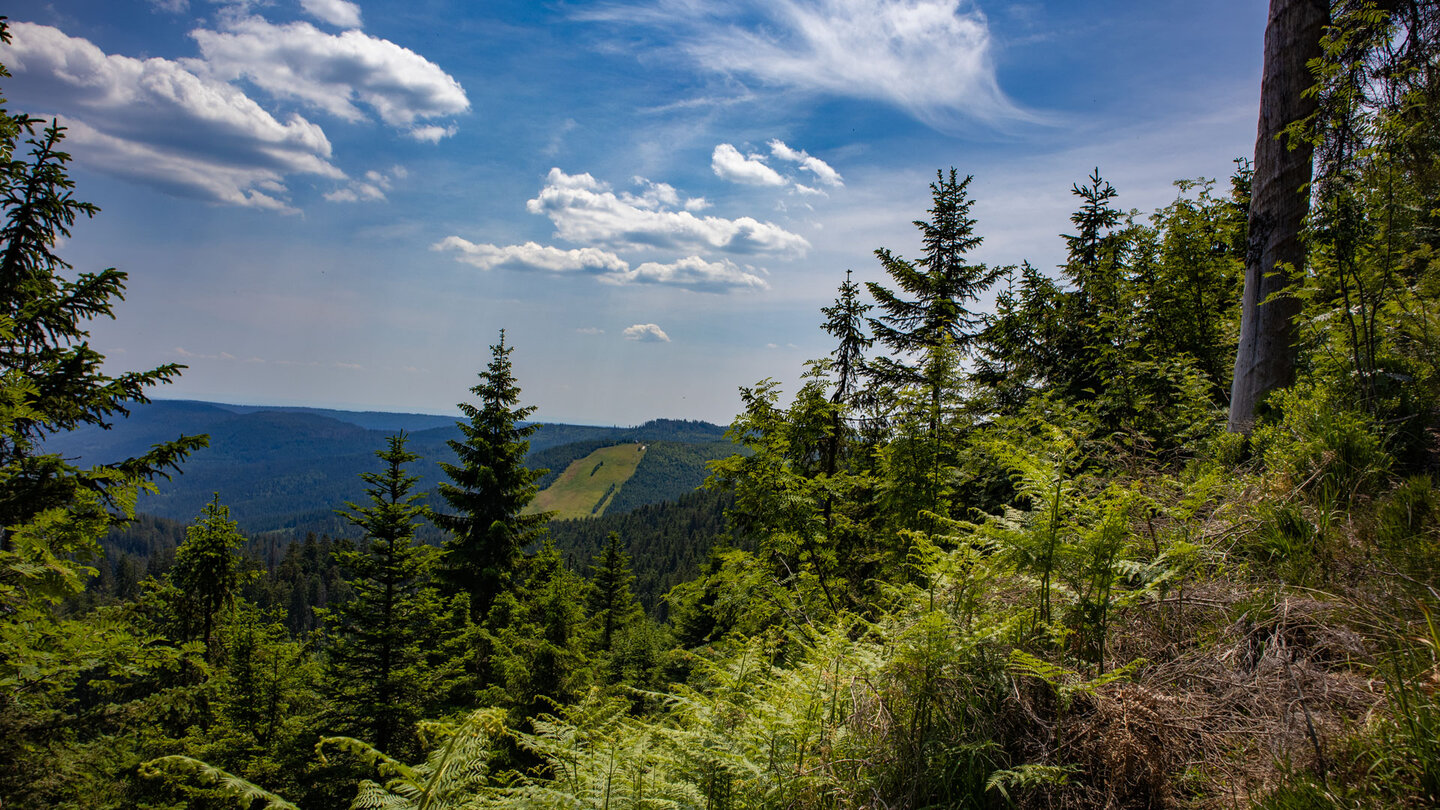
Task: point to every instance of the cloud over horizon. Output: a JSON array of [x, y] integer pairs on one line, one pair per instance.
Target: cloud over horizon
[[646, 333]]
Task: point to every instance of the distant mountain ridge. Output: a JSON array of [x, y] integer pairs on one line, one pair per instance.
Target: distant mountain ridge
[[288, 469]]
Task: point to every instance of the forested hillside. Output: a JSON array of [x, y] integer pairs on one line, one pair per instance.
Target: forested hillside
[[285, 470], [1089, 548]]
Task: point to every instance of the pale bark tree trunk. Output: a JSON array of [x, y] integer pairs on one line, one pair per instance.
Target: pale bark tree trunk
[[1265, 359]]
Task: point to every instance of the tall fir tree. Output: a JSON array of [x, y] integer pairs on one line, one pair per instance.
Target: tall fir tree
[[1091, 312], [937, 327], [377, 641], [490, 487], [207, 572], [43, 348], [845, 322], [612, 604], [943, 283]]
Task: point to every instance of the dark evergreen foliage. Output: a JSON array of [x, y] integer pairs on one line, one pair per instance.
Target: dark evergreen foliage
[[943, 285], [667, 541], [207, 572], [612, 605], [489, 488], [375, 643], [44, 354]]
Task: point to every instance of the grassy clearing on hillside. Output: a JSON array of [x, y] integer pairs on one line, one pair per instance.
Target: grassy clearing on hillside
[[588, 485]]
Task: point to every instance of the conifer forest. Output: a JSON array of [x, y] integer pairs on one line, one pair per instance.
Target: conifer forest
[[1159, 528]]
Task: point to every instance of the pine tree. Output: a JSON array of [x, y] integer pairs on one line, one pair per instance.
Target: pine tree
[[377, 640], [539, 632], [944, 284], [490, 487], [43, 350], [612, 605], [207, 572], [845, 321], [937, 324], [1090, 312]]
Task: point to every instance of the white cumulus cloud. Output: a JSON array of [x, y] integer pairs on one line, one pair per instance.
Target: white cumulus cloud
[[371, 188], [586, 211], [339, 13], [159, 122], [728, 164], [532, 256], [822, 170], [691, 273], [334, 72], [646, 333], [433, 133]]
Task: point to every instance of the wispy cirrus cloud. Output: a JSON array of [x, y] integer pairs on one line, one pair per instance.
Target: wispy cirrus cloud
[[931, 58], [586, 211]]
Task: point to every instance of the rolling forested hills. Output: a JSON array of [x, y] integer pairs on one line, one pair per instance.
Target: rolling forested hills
[[288, 469]]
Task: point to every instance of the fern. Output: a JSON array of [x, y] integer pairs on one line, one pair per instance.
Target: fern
[[183, 769], [1068, 683], [453, 776], [1028, 776]]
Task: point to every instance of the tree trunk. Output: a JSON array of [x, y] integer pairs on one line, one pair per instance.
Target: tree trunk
[[1280, 198]]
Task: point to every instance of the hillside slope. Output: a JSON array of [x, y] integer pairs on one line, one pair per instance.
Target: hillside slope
[[589, 484], [288, 470]]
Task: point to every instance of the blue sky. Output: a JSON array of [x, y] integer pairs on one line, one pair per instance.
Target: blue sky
[[340, 204]]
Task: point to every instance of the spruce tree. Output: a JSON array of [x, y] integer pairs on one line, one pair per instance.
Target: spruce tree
[[845, 321], [489, 488], [207, 572], [539, 635], [943, 284], [44, 315], [612, 605], [377, 640], [937, 324]]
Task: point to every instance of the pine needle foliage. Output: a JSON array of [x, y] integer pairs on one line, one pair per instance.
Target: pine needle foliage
[[489, 487], [942, 283], [44, 349], [377, 641]]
